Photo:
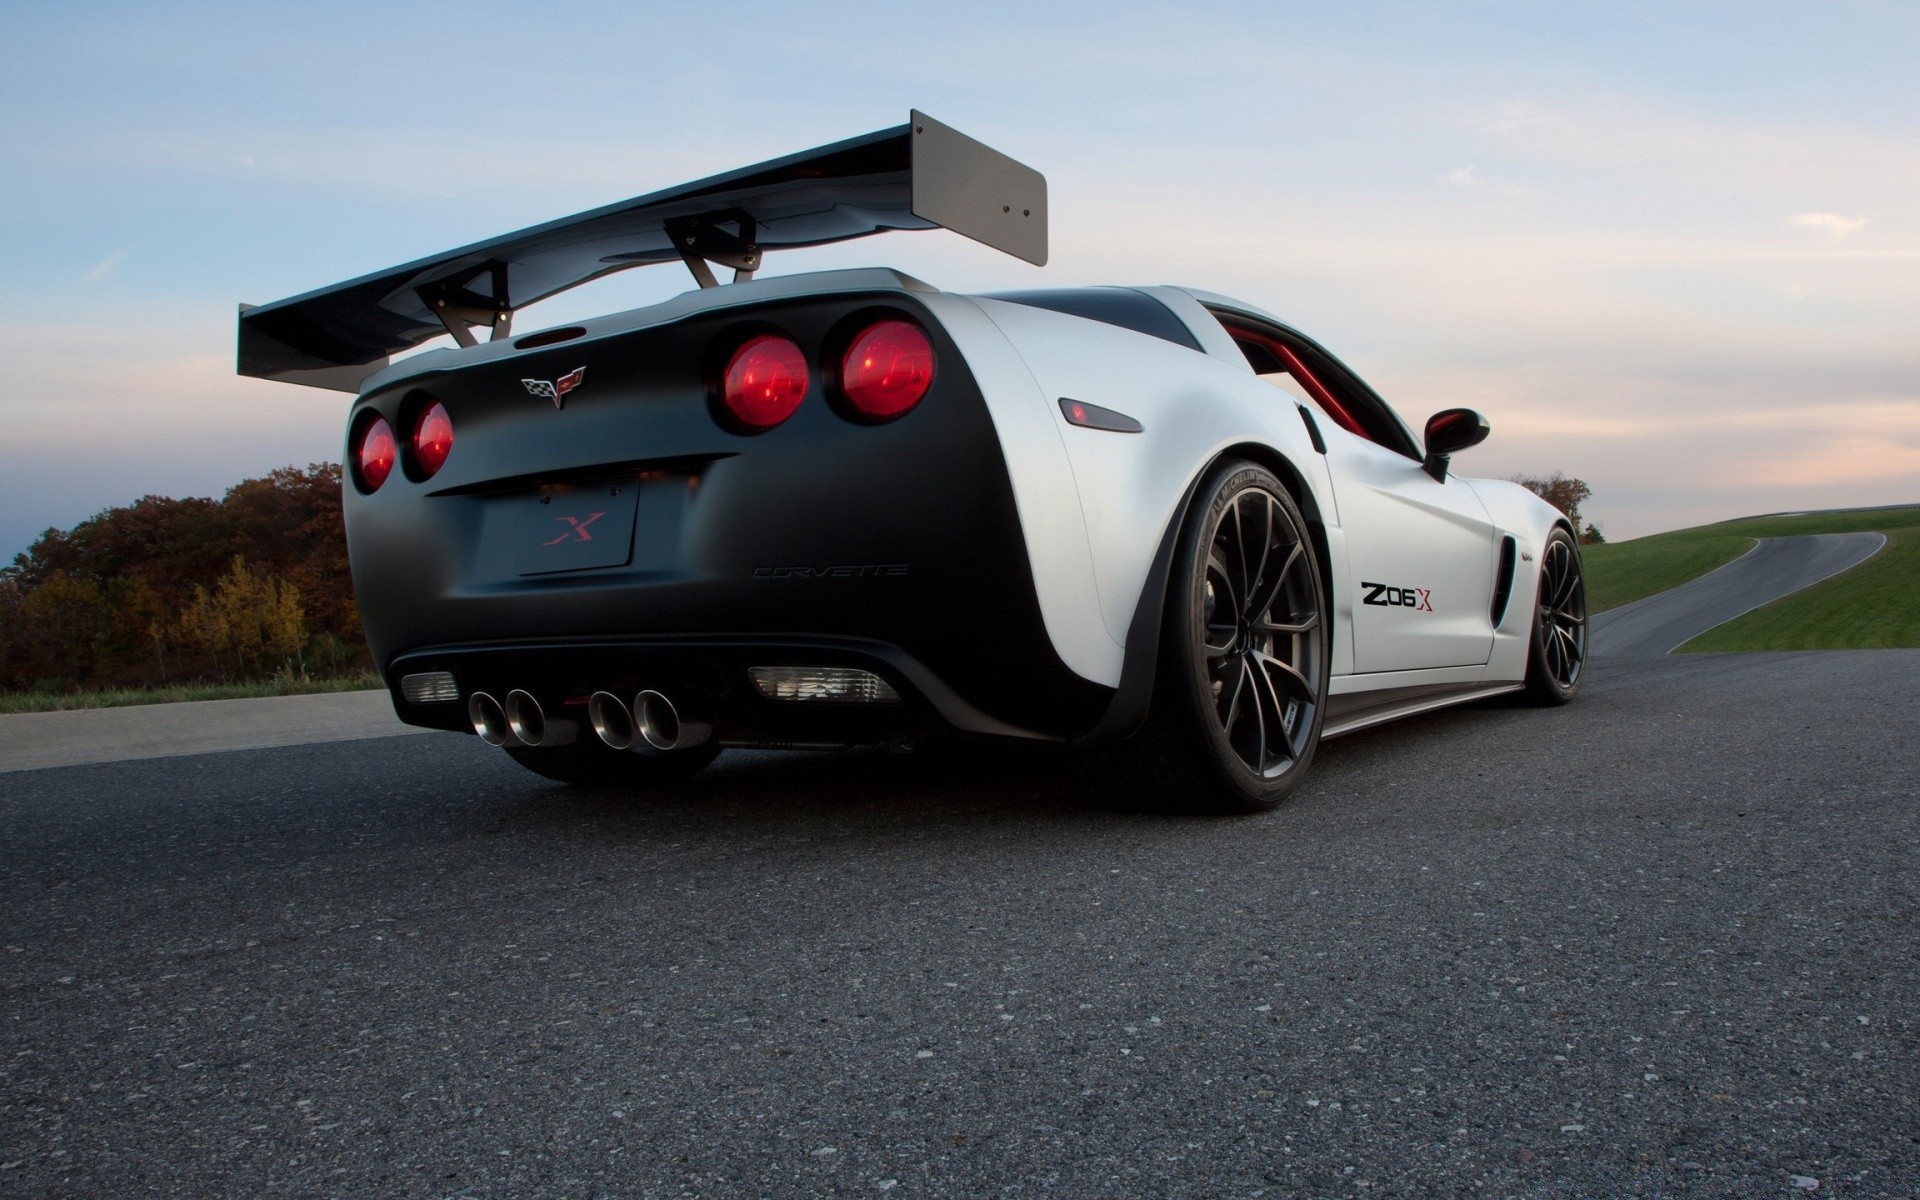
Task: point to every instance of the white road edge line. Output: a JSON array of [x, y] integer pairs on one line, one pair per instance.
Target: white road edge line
[[1796, 591]]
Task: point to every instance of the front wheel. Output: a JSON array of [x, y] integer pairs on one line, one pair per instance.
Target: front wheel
[[1557, 658], [1240, 690]]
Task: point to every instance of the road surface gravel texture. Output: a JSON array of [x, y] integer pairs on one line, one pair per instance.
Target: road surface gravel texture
[[1775, 567], [1659, 942]]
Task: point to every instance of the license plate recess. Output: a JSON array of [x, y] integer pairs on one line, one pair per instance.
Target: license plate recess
[[569, 529]]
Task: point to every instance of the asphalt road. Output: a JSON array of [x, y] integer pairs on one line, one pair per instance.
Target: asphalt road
[[1775, 567], [1660, 942]]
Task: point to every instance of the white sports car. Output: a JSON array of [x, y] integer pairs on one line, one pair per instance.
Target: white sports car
[[1153, 523]]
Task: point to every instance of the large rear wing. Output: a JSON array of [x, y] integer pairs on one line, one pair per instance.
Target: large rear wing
[[921, 175]]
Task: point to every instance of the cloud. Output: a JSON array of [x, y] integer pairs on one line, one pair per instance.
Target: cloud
[[1832, 224], [1849, 456], [105, 267], [1694, 159], [98, 416], [1459, 176]]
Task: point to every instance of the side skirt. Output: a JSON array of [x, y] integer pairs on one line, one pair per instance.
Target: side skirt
[[1363, 710]]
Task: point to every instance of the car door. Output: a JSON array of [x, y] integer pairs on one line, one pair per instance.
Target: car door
[[1420, 559], [1420, 551]]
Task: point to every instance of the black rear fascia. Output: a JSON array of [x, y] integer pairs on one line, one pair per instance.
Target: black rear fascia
[[709, 676], [903, 533]]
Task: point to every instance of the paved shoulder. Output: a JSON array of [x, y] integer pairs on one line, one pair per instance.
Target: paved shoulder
[[64, 739], [1775, 567]]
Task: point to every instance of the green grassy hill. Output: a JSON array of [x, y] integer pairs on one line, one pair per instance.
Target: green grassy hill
[[1873, 605]]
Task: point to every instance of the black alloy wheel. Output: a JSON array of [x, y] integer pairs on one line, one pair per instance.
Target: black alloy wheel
[[1240, 692], [1259, 615], [1557, 659]]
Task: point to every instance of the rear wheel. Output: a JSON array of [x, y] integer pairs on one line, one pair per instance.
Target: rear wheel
[[594, 764], [1240, 690], [1557, 659]]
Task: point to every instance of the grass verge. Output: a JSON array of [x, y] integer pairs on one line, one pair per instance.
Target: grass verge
[[1871, 606], [52, 701]]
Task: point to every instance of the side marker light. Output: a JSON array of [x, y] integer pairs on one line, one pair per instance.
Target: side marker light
[[1092, 416]]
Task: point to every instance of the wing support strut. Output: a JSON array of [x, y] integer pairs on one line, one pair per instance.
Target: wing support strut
[[703, 239], [461, 309]]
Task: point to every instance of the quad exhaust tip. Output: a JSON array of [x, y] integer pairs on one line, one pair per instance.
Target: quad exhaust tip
[[665, 727], [612, 720], [652, 719], [528, 722], [489, 720]]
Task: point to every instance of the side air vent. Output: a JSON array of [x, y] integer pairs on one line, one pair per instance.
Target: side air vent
[[1503, 579]]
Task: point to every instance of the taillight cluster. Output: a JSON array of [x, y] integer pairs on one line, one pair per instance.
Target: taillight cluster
[[879, 374], [375, 450], [765, 382], [883, 371], [374, 453]]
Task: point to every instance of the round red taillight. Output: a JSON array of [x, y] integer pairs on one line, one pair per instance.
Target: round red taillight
[[765, 381], [374, 456], [432, 438], [887, 369]]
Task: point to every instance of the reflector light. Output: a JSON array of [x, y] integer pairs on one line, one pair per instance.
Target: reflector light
[[1092, 416], [834, 685], [374, 457], [429, 687], [432, 438], [887, 369], [765, 381]]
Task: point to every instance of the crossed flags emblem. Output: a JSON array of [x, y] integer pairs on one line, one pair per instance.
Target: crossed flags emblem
[[555, 390]]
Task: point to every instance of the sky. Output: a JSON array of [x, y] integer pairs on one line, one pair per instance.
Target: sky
[[1671, 249]]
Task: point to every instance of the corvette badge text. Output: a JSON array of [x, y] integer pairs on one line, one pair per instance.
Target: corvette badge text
[[859, 571], [1383, 596]]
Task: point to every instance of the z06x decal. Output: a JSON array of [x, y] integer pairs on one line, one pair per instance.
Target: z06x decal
[[1418, 599]]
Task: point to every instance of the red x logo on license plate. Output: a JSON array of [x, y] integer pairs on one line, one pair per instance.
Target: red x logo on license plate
[[576, 529]]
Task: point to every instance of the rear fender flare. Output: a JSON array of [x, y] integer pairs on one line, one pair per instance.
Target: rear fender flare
[[1128, 710]]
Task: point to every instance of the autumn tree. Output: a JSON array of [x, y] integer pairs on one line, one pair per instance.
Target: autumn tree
[[61, 623], [248, 623], [117, 588], [1565, 494], [12, 631]]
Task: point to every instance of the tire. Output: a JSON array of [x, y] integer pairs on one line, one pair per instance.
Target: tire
[[1557, 655], [594, 764], [1241, 683]]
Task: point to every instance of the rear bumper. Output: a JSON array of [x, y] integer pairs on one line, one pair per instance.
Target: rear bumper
[[707, 676]]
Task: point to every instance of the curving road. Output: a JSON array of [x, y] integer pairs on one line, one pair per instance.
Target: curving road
[[1775, 567]]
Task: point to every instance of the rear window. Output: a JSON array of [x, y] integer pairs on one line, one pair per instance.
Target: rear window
[[1122, 307]]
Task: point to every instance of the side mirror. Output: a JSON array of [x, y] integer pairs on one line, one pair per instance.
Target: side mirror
[[1449, 432]]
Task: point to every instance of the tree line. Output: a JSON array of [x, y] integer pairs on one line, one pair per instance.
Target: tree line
[[169, 591]]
